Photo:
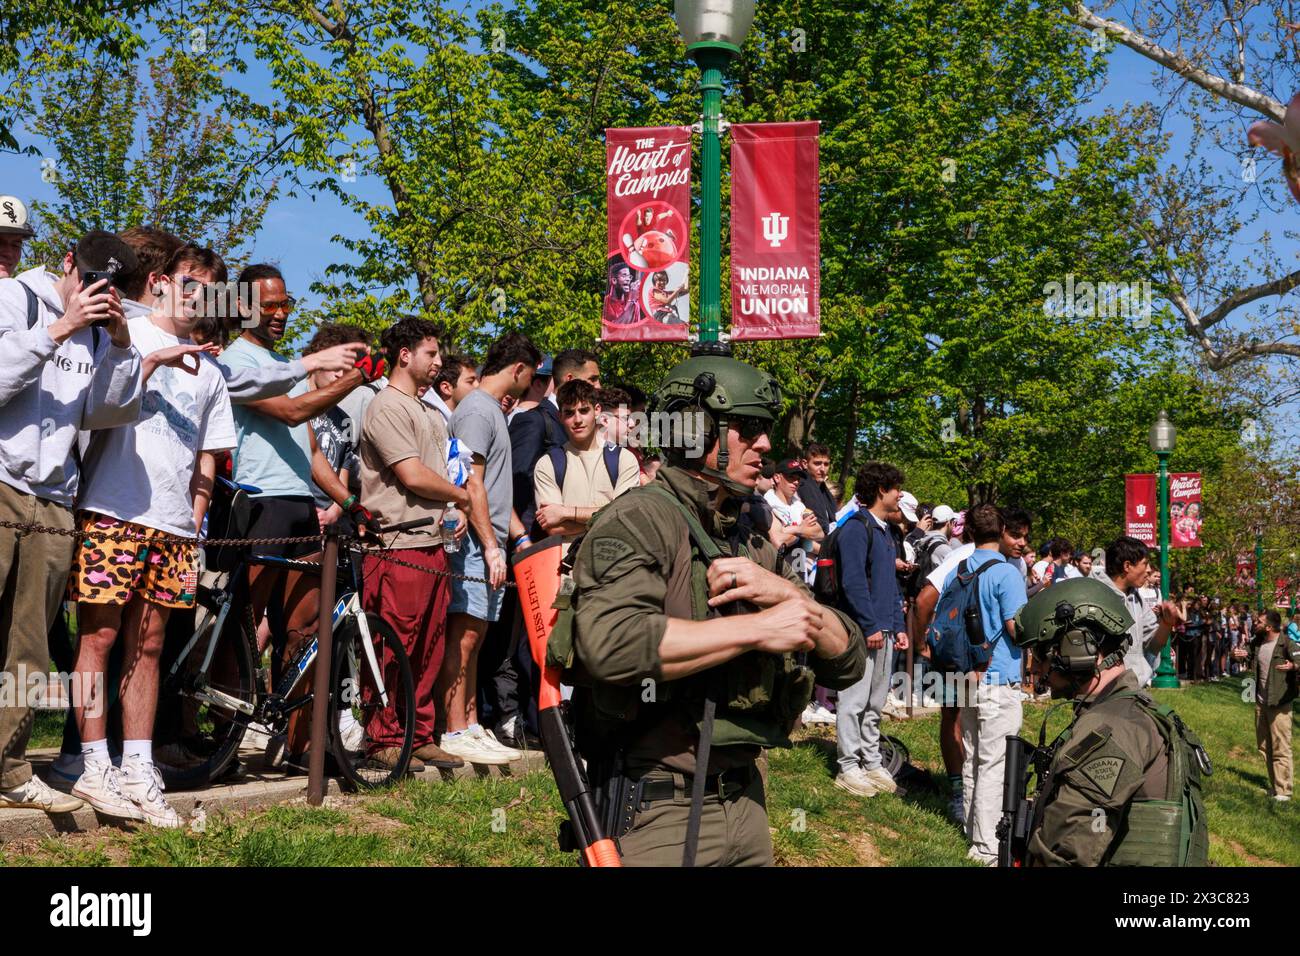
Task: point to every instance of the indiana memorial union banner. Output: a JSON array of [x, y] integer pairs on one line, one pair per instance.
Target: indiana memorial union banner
[[775, 231]]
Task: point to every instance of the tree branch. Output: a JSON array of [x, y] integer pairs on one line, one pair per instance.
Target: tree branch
[[1238, 93]]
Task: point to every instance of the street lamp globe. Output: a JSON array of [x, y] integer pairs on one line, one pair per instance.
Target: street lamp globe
[[1162, 434], [717, 22]]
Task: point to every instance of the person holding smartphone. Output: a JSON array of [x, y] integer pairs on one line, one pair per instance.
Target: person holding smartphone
[[58, 376]]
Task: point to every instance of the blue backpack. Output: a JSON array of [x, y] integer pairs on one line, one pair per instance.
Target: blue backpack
[[956, 635], [560, 463]]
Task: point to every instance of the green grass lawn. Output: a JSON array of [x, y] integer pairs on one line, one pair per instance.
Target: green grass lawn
[[512, 821]]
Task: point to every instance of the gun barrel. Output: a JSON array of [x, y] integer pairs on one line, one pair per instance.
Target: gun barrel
[[1015, 779]]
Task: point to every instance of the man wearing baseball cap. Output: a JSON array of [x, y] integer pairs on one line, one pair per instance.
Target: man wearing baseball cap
[[14, 228], [798, 523]]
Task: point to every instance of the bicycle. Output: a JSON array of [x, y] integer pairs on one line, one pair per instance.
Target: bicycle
[[223, 688]]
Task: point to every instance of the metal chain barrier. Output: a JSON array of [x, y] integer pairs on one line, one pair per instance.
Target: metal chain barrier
[[384, 555], [179, 540]]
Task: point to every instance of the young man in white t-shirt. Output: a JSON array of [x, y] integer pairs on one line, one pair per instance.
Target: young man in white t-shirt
[[565, 506], [144, 482]]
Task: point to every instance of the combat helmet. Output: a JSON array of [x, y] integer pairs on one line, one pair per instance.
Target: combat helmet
[[1070, 621], [722, 388]]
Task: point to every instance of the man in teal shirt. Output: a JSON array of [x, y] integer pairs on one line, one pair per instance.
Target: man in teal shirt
[[276, 453]]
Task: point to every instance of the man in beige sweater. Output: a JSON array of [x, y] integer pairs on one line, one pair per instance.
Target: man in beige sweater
[[573, 482]]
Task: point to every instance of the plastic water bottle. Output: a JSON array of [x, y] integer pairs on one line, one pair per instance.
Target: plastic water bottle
[[450, 519]]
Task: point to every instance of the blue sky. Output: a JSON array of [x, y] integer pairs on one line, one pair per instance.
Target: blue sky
[[296, 230]]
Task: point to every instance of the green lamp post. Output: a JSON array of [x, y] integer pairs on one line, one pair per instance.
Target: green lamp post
[[713, 31], [1161, 440]]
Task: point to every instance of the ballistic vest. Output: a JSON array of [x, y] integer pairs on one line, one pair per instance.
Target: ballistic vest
[[1159, 832], [759, 696]]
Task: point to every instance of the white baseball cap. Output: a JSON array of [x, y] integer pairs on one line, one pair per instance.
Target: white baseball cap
[[907, 504], [943, 514], [13, 218]]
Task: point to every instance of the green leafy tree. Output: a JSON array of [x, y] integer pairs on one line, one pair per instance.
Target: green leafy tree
[[127, 152]]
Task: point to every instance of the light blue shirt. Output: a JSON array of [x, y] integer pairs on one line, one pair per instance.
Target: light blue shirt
[[1002, 594], [270, 455]]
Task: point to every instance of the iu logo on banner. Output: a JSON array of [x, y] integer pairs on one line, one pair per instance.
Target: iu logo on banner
[[647, 271], [775, 231]]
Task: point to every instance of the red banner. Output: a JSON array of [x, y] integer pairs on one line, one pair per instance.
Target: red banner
[[1185, 510], [648, 193], [1281, 594], [775, 231], [1141, 511], [1245, 572]]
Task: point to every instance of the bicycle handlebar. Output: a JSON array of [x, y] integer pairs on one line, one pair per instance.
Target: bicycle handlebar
[[405, 526]]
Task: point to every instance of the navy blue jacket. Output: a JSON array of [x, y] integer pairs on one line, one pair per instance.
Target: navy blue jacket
[[870, 588], [531, 434]]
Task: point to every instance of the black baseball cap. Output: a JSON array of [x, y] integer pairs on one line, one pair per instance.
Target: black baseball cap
[[791, 467]]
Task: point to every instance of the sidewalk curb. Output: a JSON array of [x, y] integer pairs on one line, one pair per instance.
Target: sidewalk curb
[[258, 790]]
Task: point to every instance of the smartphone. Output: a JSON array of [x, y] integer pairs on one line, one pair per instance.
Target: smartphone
[[89, 278]]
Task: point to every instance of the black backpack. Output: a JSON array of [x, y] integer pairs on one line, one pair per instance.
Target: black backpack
[[828, 581], [560, 462], [925, 564]]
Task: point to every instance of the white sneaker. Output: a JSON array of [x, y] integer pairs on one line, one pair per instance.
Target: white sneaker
[[856, 780], [351, 731], [510, 753], [142, 784], [1281, 799], [883, 781], [472, 749], [815, 713], [36, 795], [257, 735], [100, 786]]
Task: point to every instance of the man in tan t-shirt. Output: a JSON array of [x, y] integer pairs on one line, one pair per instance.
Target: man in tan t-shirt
[[564, 507], [403, 455]]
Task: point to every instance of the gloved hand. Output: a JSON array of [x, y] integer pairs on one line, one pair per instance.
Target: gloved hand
[[372, 366], [363, 519]]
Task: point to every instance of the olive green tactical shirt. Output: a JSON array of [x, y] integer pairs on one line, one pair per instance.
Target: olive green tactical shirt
[[1115, 755], [632, 574], [1273, 688]]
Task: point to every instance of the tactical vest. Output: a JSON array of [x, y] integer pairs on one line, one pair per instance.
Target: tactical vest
[[1170, 831], [759, 696]]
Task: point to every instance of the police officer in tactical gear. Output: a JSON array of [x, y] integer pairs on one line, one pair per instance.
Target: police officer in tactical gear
[[686, 633], [1124, 784]]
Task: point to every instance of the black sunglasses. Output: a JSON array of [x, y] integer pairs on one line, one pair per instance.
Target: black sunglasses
[[750, 428]]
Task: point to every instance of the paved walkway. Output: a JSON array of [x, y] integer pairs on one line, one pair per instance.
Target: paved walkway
[[256, 786]]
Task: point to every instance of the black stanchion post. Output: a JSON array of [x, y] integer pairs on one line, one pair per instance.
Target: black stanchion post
[[320, 715]]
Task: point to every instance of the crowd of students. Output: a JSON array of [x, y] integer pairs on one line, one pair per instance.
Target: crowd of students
[[123, 399]]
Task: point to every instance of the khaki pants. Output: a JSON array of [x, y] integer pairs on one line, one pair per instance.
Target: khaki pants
[[733, 832], [33, 576], [996, 714], [1273, 734]]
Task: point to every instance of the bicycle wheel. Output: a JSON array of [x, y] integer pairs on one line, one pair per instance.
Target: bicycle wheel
[[210, 730], [364, 721]]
